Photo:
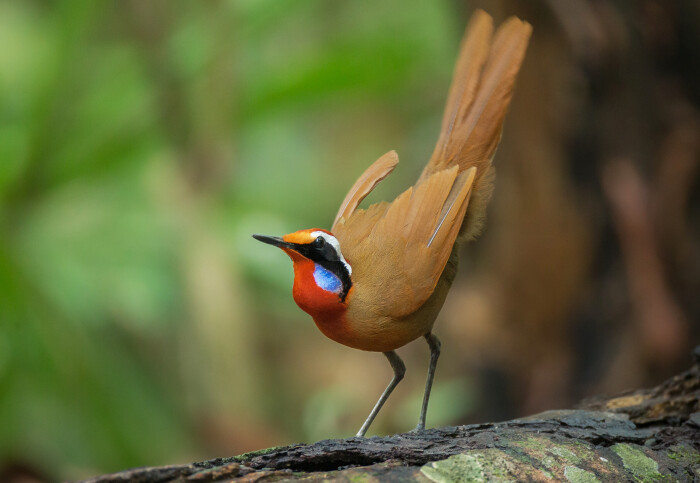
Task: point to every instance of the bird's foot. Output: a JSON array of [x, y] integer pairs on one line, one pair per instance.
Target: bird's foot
[[363, 430], [418, 429]]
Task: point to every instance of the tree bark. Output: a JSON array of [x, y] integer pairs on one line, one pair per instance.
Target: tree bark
[[642, 435]]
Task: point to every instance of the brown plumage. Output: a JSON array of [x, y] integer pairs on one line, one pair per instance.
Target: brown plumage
[[386, 245], [387, 272]]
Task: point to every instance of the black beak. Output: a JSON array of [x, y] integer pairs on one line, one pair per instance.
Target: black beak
[[274, 241]]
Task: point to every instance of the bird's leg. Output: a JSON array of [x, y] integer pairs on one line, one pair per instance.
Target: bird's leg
[[399, 371], [434, 344]]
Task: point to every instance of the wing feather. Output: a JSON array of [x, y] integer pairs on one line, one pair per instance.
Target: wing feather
[[379, 170], [395, 258]]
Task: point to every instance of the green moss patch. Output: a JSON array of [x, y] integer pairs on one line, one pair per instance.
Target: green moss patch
[[555, 457], [578, 475], [492, 465], [684, 455], [461, 467], [638, 463]]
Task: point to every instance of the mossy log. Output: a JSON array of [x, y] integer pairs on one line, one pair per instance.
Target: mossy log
[[643, 435]]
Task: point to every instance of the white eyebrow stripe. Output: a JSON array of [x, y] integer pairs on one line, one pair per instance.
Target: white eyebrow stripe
[[334, 243]]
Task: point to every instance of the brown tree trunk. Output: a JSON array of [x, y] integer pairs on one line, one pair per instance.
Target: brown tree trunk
[[642, 435]]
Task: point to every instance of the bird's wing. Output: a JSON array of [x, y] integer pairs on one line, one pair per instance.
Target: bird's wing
[[364, 185], [398, 250]]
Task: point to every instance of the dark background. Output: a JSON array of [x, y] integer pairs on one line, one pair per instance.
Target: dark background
[[141, 143]]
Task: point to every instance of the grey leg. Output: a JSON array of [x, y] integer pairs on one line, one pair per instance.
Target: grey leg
[[399, 371], [434, 344]]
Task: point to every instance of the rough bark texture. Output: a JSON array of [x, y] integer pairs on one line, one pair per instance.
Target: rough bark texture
[[644, 435]]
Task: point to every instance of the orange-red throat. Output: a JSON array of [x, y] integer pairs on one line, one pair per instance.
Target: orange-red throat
[[322, 276]]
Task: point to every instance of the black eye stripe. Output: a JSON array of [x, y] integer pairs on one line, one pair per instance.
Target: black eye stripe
[[319, 254], [329, 253]]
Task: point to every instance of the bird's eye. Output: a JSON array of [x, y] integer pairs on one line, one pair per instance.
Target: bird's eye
[[319, 242]]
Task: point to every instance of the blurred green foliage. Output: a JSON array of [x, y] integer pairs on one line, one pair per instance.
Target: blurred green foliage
[[141, 143]]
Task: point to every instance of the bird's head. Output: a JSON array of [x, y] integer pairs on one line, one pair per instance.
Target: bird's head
[[322, 279]]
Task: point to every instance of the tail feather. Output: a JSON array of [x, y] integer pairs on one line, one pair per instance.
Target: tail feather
[[470, 62], [482, 87]]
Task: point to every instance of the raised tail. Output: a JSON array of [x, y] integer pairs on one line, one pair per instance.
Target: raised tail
[[482, 86]]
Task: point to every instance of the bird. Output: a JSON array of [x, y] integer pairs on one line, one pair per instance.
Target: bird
[[379, 277]]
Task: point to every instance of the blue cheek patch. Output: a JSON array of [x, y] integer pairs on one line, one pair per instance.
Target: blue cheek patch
[[327, 280]]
